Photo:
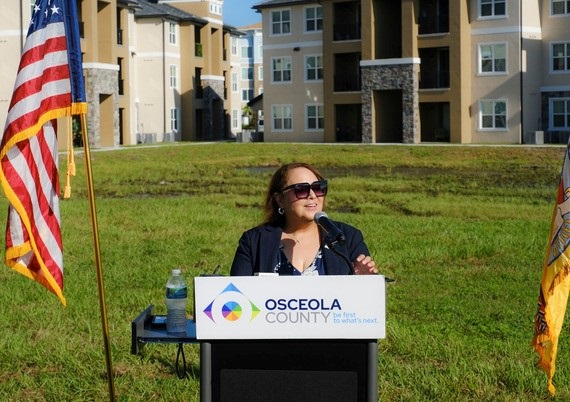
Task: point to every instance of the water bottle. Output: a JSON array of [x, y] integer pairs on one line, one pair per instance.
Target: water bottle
[[176, 297]]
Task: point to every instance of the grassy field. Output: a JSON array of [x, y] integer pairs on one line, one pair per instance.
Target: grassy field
[[462, 229]]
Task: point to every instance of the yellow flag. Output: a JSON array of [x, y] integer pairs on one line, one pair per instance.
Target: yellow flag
[[555, 285]]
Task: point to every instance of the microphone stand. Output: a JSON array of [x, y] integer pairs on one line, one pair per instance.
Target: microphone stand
[[332, 243]]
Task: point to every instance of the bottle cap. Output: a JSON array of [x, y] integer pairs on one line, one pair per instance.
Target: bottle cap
[[176, 271]]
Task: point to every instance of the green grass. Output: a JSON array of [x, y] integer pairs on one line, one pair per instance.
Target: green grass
[[462, 229]]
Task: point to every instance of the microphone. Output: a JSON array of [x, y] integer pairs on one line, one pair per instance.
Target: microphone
[[334, 235]]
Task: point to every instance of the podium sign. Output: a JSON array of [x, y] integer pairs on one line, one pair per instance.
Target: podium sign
[[290, 307]]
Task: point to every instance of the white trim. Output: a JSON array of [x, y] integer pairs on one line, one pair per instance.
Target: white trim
[[480, 127], [316, 31], [551, 100], [291, 45], [101, 66], [555, 88], [272, 71], [505, 30], [317, 105], [316, 69], [216, 21], [280, 10], [212, 77], [281, 130], [480, 71], [390, 62], [159, 54]]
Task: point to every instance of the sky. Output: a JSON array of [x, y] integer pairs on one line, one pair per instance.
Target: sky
[[238, 13]]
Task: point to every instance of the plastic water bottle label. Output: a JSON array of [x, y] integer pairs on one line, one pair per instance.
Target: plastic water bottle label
[[177, 293]]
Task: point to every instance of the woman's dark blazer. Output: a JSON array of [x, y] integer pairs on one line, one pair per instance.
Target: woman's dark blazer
[[259, 247]]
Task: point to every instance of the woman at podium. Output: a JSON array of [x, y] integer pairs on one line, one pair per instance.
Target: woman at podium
[[296, 237]]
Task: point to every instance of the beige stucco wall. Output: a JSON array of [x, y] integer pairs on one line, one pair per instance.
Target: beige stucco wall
[[299, 92]]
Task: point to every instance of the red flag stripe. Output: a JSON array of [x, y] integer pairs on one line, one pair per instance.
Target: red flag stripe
[[36, 85], [45, 227], [36, 41], [30, 165]]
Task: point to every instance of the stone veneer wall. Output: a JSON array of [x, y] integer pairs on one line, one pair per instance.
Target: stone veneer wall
[[402, 77], [213, 91], [101, 82]]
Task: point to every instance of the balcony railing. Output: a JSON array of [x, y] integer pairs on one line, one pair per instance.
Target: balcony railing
[[433, 24], [347, 32], [435, 80], [343, 83]]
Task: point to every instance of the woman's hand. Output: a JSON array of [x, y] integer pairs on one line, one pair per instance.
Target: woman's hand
[[364, 265]]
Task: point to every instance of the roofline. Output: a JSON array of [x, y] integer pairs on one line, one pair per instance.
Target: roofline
[[269, 4]]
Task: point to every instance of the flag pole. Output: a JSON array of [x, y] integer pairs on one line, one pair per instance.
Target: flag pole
[[100, 287]]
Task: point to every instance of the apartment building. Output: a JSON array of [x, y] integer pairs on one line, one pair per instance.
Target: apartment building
[[411, 71], [246, 76], [155, 70], [293, 90]]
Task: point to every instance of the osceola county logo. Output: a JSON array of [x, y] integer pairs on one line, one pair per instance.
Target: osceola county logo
[[231, 305]]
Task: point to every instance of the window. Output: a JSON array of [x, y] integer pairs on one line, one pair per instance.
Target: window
[[313, 19], [172, 33], [173, 76], [560, 7], [313, 68], [260, 73], [282, 117], [560, 113], [235, 118], [247, 73], [174, 119], [246, 95], [235, 84], [281, 22], [315, 117], [281, 69], [493, 114], [493, 8], [493, 58], [234, 46], [246, 52], [560, 56], [215, 9]]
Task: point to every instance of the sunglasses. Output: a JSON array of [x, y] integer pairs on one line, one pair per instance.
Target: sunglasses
[[303, 190]]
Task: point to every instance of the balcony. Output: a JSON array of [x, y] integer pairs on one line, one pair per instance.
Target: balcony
[[347, 22], [347, 72], [346, 32], [433, 17], [434, 73], [433, 25]]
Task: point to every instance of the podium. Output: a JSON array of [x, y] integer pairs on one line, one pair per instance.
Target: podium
[[289, 338]]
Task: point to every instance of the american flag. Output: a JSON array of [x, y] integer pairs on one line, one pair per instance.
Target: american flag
[[49, 84]]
